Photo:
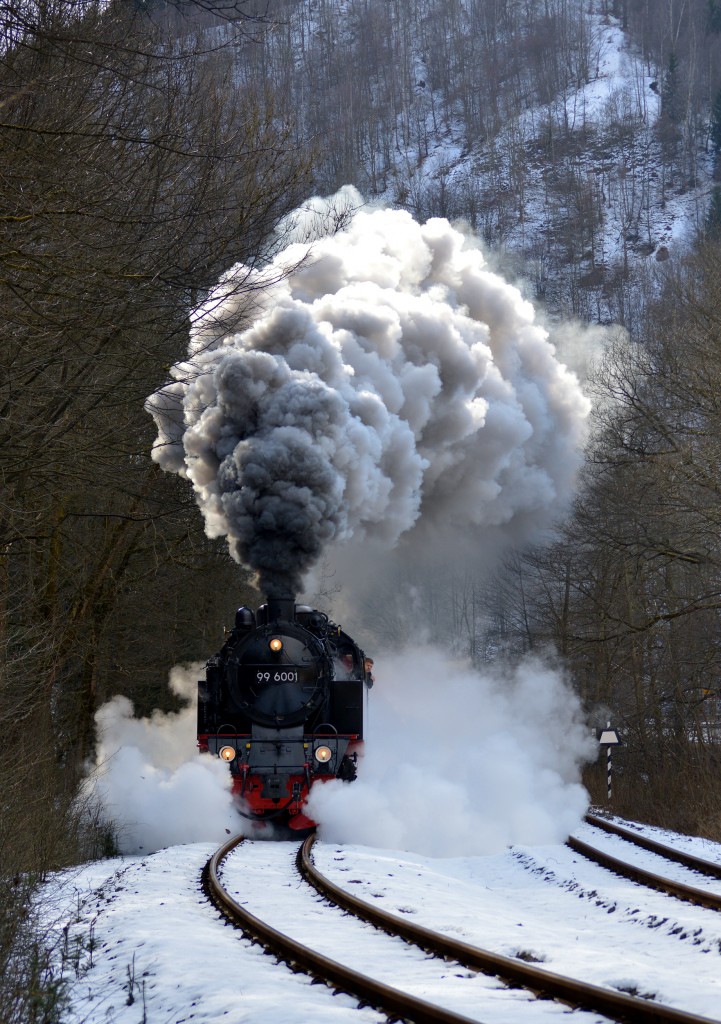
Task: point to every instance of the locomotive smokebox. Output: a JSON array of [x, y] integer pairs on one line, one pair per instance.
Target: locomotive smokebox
[[281, 609]]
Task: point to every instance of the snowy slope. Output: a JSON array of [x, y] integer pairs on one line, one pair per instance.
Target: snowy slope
[[608, 157], [137, 941]]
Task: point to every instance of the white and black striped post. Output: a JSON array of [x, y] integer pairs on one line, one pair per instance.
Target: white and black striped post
[[609, 738]]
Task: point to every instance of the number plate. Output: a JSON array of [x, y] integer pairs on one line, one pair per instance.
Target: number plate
[[286, 675]]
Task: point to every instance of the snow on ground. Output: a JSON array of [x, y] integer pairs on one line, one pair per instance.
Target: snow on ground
[[549, 905], [148, 920], [139, 927]]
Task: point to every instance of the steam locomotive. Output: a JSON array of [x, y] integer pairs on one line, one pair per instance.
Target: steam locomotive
[[283, 704]]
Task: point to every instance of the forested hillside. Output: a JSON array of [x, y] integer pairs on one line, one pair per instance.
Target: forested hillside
[[577, 138], [149, 146]]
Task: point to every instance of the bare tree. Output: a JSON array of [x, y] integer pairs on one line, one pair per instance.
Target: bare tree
[[134, 173]]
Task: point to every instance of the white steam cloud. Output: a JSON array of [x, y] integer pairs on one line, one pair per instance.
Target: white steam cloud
[[458, 763], [391, 384], [150, 781]]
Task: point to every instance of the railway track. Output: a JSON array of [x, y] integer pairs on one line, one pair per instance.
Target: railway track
[[399, 1005], [705, 867], [396, 1004], [682, 891]]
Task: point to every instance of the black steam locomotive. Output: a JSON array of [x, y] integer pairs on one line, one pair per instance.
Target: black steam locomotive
[[283, 704]]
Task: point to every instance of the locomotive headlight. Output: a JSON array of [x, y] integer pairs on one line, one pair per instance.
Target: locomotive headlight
[[276, 644], [226, 753], [323, 754]]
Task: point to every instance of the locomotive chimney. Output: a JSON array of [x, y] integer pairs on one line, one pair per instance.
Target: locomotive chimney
[[281, 609]]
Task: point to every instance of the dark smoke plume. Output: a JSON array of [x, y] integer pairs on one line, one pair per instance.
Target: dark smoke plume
[[391, 381]]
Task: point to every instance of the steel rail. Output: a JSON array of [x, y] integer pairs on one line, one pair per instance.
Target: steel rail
[[704, 867], [616, 1005], [398, 1005], [688, 893]]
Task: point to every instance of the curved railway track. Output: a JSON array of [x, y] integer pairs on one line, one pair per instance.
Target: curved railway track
[[688, 893], [705, 867], [398, 1005]]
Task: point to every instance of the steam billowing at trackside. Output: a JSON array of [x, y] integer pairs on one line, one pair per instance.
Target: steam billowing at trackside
[[456, 763], [390, 387], [462, 763], [149, 780]]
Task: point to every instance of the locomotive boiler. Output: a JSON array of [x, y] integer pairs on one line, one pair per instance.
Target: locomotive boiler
[[283, 704]]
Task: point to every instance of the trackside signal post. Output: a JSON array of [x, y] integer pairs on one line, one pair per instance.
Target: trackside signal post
[[609, 738]]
